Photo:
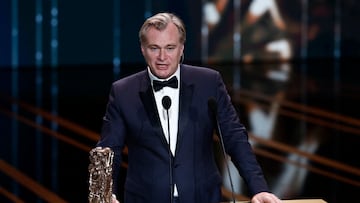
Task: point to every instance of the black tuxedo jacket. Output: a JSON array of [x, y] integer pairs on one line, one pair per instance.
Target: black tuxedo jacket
[[132, 119]]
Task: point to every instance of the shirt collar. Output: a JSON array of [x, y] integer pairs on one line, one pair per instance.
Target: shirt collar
[[153, 77]]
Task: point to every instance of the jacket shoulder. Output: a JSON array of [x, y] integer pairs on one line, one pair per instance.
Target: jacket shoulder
[[190, 70], [131, 80]]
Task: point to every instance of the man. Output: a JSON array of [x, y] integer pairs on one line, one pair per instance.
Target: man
[[183, 171]]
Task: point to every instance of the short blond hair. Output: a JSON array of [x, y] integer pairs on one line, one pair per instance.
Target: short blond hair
[[160, 21]]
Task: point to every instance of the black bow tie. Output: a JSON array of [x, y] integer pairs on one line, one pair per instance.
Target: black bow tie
[[158, 85]]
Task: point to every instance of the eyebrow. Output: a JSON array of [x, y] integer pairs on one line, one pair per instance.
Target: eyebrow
[[168, 45]]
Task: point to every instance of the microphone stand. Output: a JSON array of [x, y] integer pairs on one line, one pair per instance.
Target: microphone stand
[[226, 159], [170, 159], [166, 102], [213, 107]]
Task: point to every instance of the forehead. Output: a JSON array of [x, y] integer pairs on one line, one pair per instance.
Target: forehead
[[169, 35]]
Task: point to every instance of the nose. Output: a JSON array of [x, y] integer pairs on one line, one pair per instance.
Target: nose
[[162, 54]]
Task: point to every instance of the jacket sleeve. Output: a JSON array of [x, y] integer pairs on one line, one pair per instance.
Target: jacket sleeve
[[113, 134], [236, 142]]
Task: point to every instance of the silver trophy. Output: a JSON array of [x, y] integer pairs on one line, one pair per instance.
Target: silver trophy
[[100, 175]]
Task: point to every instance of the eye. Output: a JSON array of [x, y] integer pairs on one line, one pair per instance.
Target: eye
[[153, 48], [170, 48]]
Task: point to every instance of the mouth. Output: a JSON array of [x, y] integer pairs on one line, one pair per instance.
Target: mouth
[[161, 66]]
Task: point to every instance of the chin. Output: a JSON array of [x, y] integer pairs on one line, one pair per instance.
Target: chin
[[162, 74]]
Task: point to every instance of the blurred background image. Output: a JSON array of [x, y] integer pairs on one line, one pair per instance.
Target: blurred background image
[[289, 66]]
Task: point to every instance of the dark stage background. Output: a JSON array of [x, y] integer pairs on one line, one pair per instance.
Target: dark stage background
[[290, 68]]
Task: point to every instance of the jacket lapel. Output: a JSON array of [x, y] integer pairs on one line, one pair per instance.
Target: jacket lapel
[[148, 100], [185, 100]]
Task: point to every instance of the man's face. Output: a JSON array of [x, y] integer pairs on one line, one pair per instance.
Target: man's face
[[162, 50]]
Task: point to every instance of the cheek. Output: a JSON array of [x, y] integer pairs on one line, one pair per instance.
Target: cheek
[[147, 57], [176, 54]]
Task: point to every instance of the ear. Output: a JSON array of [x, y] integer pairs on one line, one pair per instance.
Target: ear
[[142, 49]]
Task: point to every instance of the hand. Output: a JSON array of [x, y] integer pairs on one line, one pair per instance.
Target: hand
[[113, 199], [265, 197]]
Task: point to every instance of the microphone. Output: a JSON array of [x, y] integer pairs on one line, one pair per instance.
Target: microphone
[[166, 102], [213, 109]]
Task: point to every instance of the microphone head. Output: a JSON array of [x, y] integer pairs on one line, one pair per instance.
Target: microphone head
[[166, 102], [212, 105]]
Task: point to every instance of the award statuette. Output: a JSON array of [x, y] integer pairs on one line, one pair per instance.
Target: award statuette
[[100, 175]]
